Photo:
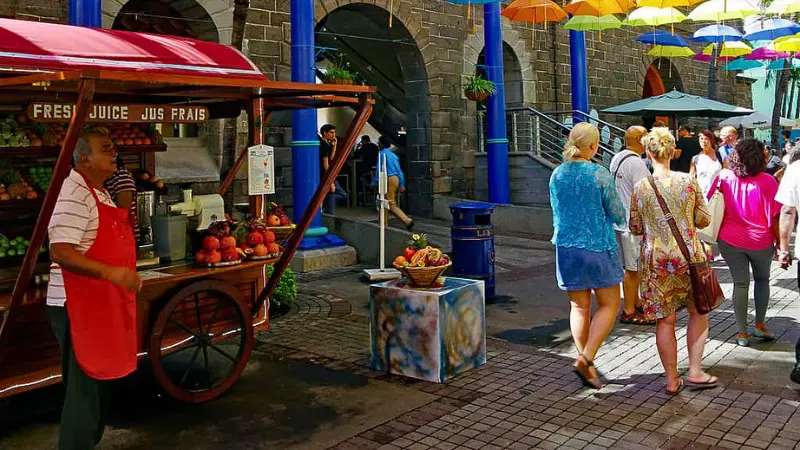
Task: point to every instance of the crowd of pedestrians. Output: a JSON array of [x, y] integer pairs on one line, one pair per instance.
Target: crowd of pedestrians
[[648, 226]]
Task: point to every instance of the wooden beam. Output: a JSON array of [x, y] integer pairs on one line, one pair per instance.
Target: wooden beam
[[60, 172], [237, 166], [256, 113], [39, 78], [353, 131]]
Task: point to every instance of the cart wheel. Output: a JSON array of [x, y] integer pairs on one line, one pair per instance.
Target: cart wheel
[[201, 341]]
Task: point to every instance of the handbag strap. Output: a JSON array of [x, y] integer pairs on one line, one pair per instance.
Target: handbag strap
[[619, 166], [671, 221]]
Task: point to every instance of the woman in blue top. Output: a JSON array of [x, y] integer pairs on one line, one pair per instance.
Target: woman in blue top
[[585, 208], [395, 180]]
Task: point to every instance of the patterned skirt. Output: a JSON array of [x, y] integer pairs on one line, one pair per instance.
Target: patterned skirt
[[579, 270]]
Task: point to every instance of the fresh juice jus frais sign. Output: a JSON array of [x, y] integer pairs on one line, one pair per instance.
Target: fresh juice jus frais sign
[[116, 112]]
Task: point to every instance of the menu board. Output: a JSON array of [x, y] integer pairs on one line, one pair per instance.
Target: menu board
[[261, 170]]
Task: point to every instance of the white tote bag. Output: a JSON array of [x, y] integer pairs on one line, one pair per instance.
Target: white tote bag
[[716, 206]]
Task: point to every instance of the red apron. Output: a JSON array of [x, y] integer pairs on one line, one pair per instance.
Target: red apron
[[102, 316]]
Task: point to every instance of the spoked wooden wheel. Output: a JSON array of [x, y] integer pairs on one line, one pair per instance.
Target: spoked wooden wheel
[[201, 341]]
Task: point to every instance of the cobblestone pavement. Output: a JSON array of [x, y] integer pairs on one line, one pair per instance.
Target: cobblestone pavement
[[528, 397]]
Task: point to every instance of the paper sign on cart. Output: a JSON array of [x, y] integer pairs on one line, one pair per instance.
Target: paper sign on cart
[[261, 174]]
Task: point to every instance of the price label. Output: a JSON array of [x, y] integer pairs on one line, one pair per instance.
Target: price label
[[261, 170]]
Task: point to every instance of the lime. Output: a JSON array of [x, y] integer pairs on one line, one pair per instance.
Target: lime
[[19, 239], [43, 250], [26, 242], [2, 254], [11, 252]]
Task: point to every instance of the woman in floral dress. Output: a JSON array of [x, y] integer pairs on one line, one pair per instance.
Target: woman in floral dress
[[666, 286]]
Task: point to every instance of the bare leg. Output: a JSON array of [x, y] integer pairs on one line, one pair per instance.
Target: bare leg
[[603, 320], [630, 287], [696, 336], [668, 350], [580, 317]]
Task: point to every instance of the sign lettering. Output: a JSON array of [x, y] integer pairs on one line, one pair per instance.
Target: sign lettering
[[47, 112]]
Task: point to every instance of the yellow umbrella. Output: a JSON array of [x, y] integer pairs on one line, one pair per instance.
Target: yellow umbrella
[[598, 8], [783, 7], [667, 3], [789, 44], [669, 51], [720, 10], [650, 16], [734, 49], [534, 11]]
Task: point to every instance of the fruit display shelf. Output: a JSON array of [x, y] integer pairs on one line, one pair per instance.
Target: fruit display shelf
[[25, 204], [53, 151]]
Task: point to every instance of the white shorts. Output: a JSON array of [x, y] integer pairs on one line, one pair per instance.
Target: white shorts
[[629, 250]]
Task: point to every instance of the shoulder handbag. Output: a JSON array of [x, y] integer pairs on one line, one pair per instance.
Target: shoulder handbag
[[706, 291], [716, 207]]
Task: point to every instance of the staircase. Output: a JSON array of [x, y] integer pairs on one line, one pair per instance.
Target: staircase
[[536, 144]]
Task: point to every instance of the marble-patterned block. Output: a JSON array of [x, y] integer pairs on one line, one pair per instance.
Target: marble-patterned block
[[431, 334]]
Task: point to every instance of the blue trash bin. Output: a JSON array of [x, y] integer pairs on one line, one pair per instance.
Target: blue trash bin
[[472, 243]]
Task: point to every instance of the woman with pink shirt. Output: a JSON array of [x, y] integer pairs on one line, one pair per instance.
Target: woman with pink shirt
[[749, 231]]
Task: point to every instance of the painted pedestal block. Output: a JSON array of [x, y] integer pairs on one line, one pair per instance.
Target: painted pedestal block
[[432, 334]]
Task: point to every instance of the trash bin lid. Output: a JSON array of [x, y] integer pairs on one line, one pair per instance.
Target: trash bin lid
[[471, 206]]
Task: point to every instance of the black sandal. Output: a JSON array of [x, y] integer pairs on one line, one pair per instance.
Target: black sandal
[[593, 383], [681, 385], [708, 384]]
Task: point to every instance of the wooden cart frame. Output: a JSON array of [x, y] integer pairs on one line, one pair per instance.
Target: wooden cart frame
[[191, 302]]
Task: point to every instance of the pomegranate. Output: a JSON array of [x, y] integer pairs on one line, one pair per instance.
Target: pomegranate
[[200, 257], [273, 221], [227, 242], [210, 243], [254, 239], [409, 252], [260, 250], [285, 222], [273, 248], [268, 237], [213, 257], [230, 254]]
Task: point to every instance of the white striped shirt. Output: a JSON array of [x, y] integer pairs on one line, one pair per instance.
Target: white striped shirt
[[75, 221]]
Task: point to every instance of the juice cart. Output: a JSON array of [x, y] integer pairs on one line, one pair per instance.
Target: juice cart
[[196, 324]]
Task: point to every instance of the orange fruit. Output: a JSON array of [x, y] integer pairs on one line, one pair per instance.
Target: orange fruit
[[399, 261]]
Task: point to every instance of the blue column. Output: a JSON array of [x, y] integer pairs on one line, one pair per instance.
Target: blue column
[[86, 13], [578, 72], [496, 138]]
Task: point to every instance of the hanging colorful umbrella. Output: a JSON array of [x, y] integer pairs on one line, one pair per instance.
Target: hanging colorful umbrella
[[592, 23], [667, 3], [734, 49], [716, 34], [789, 44], [742, 64], [720, 10], [770, 29], [778, 64], [765, 54], [649, 16], [534, 11], [598, 8], [668, 51], [783, 7], [662, 37], [703, 57]]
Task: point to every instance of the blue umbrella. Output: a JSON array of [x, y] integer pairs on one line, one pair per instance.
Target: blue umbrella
[[716, 34], [742, 64], [769, 29], [778, 64], [663, 37]]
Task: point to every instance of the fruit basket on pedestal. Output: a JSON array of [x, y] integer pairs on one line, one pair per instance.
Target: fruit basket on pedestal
[[421, 264]]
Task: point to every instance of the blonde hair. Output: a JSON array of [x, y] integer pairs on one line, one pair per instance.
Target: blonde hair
[[660, 143], [583, 135]]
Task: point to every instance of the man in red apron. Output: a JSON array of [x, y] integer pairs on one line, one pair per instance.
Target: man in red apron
[[91, 297]]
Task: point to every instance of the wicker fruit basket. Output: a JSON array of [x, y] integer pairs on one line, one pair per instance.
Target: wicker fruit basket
[[423, 277], [282, 233]]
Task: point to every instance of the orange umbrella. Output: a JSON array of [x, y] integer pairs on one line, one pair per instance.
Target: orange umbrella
[[534, 11], [599, 8]]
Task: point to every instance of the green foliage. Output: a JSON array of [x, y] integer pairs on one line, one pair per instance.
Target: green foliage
[[285, 295], [339, 69], [479, 85]]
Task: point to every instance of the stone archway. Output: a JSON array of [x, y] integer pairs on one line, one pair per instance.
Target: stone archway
[[512, 76], [391, 60], [209, 20], [660, 78]]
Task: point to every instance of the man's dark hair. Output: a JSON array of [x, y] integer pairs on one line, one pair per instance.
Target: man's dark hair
[[384, 142], [747, 159], [685, 128], [365, 138], [786, 134], [325, 128]]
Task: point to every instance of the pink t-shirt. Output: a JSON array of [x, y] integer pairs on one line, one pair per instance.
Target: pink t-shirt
[[750, 210]]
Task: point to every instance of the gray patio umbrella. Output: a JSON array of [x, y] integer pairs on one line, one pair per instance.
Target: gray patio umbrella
[[677, 104]]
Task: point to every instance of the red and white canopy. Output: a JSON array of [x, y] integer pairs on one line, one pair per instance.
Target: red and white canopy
[[29, 46]]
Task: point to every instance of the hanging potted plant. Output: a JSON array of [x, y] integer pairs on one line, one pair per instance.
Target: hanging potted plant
[[478, 88], [339, 73]]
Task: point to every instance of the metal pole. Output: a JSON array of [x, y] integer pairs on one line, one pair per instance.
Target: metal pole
[[382, 190], [538, 130], [85, 13], [305, 143], [514, 131], [578, 74], [497, 140]]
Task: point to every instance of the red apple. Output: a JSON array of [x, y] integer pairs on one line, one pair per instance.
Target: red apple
[[210, 243], [254, 238], [227, 242]]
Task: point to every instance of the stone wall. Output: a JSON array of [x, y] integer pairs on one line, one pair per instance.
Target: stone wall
[[39, 10]]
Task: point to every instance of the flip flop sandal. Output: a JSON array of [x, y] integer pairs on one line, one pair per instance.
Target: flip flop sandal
[[708, 384], [629, 319], [681, 385]]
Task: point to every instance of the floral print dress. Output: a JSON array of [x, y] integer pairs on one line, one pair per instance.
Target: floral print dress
[[665, 283]]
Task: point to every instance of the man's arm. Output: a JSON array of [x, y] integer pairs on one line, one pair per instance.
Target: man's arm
[[66, 256], [787, 221]]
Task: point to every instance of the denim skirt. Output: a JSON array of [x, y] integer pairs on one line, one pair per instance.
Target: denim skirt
[[579, 270]]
